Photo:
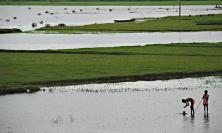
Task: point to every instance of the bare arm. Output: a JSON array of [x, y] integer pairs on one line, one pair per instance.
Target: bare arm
[[187, 104]]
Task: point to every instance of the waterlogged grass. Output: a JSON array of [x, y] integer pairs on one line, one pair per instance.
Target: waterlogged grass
[[22, 68], [172, 23], [109, 3]]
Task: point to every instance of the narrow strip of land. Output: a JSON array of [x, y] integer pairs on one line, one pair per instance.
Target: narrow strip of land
[[28, 70], [211, 22], [14, 30]]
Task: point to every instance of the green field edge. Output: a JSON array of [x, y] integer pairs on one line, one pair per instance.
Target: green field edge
[[110, 3], [88, 51], [32, 87]]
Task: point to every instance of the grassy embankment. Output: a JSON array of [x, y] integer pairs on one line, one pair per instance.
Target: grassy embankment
[[109, 3], [14, 30], [172, 23], [21, 70]]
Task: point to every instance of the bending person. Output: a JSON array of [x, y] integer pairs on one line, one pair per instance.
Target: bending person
[[186, 101]]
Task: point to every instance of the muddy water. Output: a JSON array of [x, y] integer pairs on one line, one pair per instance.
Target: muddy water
[[65, 41], [82, 15], [143, 106]]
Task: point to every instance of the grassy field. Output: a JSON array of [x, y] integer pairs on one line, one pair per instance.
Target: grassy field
[[172, 23], [114, 3], [28, 69]]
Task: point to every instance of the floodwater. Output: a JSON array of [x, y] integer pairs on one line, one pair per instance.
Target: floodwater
[[82, 15], [26, 41], [141, 107]]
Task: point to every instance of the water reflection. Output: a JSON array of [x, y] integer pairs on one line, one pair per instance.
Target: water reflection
[[206, 121], [194, 124], [185, 122], [189, 123], [192, 121], [115, 111]]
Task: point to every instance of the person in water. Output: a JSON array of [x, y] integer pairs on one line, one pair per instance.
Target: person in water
[[205, 101], [186, 101]]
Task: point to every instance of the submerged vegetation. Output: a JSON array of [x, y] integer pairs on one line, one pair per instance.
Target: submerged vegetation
[[209, 22], [28, 70]]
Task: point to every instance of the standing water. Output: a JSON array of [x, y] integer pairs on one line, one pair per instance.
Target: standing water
[[72, 41], [143, 106], [82, 15]]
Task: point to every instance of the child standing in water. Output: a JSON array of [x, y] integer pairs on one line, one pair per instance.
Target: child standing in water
[[191, 100], [205, 101]]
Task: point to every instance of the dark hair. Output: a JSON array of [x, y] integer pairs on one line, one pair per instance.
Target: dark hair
[[205, 91], [183, 100]]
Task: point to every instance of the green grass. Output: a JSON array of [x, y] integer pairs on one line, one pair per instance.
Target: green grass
[[24, 68], [111, 3], [213, 49], [173, 23]]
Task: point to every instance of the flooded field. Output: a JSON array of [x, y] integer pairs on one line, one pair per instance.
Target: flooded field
[[127, 107], [23, 16], [68, 41], [143, 106]]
